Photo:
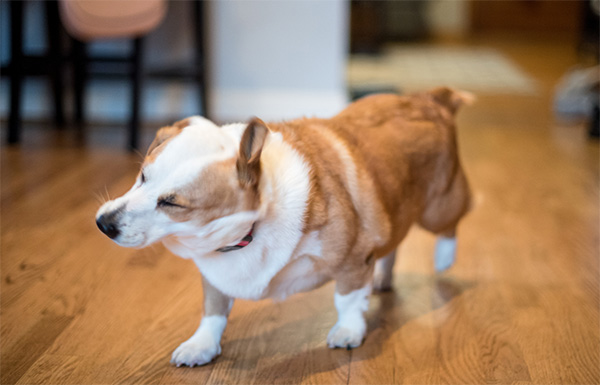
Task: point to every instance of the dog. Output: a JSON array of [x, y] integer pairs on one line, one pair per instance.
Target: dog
[[269, 210]]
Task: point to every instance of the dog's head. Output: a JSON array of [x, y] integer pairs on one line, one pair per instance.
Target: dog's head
[[197, 180]]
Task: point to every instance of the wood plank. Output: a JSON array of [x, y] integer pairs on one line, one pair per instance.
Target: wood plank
[[50, 369], [32, 345]]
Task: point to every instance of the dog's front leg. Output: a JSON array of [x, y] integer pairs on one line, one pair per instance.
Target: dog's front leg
[[351, 327], [205, 344]]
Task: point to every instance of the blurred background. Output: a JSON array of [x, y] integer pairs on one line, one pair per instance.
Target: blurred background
[[101, 64]]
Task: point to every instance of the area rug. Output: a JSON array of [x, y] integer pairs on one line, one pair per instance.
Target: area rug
[[408, 68]]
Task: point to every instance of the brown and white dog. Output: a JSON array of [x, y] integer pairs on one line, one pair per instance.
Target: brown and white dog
[[269, 210]]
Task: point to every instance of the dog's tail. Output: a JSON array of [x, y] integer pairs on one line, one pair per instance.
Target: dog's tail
[[452, 99]]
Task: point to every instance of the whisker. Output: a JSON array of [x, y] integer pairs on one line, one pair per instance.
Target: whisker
[[154, 249], [99, 198], [107, 194], [139, 153]]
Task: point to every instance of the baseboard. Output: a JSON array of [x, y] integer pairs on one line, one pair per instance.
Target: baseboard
[[165, 101]]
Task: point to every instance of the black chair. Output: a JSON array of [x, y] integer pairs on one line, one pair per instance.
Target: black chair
[[131, 66], [85, 66], [20, 66]]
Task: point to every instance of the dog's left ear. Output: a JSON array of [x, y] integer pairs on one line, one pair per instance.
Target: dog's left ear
[[173, 130], [162, 136], [251, 145]]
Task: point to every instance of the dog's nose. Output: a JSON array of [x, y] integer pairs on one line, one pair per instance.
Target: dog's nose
[[107, 226]]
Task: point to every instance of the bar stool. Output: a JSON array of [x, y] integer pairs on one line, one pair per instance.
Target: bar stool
[[90, 20]]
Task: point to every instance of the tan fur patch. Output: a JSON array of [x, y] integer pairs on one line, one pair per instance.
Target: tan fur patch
[[213, 194], [382, 164], [251, 145]]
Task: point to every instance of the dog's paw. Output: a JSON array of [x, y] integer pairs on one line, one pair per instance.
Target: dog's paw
[[195, 352], [342, 336]]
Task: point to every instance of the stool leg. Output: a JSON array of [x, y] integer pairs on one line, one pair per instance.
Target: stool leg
[[136, 85], [79, 79], [55, 59], [16, 70], [594, 124], [200, 55]]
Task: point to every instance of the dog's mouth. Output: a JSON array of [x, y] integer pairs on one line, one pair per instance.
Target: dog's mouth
[[132, 243]]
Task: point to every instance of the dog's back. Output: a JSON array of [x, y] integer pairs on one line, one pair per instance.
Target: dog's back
[[391, 159], [409, 144]]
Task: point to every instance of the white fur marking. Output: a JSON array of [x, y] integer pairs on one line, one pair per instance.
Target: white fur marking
[[445, 252], [351, 326], [182, 160], [189, 153], [197, 120], [204, 345]]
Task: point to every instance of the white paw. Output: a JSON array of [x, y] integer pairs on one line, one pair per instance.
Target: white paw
[[195, 351], [445, 252], [343, 336]]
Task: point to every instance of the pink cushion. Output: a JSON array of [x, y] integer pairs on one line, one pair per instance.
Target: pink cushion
[[97, 19]]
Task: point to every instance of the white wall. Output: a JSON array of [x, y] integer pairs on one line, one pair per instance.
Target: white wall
[[278, 59]]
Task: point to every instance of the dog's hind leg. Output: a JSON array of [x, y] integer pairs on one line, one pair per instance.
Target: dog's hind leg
[[205, 344], [382, 278], [442, 215]]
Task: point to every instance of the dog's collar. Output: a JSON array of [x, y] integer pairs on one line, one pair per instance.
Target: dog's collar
[[243, 243]]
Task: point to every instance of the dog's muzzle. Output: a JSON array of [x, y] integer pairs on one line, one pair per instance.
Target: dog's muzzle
[[108, 225]]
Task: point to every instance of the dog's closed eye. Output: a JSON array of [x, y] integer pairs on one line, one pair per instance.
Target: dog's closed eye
[[168, 201]]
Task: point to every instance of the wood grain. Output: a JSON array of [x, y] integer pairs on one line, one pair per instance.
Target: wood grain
[[521, 305]]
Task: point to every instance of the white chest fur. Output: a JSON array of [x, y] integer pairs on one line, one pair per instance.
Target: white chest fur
[[261, 271], [301, 273]]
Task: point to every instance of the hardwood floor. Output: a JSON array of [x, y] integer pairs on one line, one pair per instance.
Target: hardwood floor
[[521, 305]]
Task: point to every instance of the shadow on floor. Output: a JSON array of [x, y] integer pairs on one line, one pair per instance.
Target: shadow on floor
[[304, 353]]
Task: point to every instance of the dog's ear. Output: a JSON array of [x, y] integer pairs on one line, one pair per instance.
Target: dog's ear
[[169, 132], [251, 145], [452, 99], [165, 134]]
